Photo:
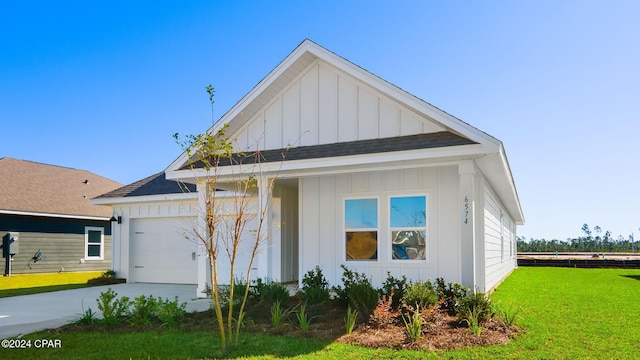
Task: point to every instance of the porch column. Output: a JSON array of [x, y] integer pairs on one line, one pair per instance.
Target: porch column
[[268, 259], [467, 200]]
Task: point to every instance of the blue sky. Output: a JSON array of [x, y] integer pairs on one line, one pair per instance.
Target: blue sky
[[103, 86]]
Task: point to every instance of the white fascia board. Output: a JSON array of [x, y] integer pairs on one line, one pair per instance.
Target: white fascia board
[[63, 216], [146, 198]]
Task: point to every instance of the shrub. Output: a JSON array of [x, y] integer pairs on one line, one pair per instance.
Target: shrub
[[357, 292], [508, 315], [170, 313], [396, 287], [384, 314], [420, 294], [143, 309], [304, 320], [269, 291], [475, 306], [113, 310], [451, 294], [315, 288]]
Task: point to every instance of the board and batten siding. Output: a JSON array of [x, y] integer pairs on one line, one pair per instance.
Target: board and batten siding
[[322, 239], [324, 105], [498, 239]]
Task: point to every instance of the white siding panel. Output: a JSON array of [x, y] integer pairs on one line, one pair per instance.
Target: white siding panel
[[309, 107], [273, 125], [497, 265], [410, 123], [291, 115], [367, 114], [255, 133], [389, 119], [328, 109], [347, 110]]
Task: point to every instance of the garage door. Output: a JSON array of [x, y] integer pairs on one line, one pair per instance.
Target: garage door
[[160, 253]]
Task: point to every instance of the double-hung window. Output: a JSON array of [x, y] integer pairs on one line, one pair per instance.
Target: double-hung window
[[361, 228], [408, 227], [93, 243]]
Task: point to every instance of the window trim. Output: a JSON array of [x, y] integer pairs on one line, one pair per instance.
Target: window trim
[[391, 229], [87, 229], [345, 230]]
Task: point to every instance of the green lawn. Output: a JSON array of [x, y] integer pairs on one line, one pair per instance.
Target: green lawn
[[38, 283], [568, 314]]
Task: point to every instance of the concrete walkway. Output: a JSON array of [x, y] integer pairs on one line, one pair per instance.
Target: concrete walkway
[[25, 314]]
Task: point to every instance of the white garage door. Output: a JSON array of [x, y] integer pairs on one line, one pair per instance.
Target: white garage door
[[160, 253]]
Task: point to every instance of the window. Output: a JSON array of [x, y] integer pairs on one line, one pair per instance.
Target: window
[[408, 225], [93, 243], [361, 229]]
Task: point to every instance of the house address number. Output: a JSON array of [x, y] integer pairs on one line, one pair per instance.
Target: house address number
[[466, 209]]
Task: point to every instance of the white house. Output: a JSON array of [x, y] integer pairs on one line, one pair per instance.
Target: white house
[[372, 178]]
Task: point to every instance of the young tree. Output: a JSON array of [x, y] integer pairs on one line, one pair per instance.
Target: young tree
[[225, 219]]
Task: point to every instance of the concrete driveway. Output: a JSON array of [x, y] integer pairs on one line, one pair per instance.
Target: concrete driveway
[[29, 313]]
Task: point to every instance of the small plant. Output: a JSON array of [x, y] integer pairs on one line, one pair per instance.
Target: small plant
[[170, 313], [384, 314], [420, 294], [451, 294], [278, 313], [396, 287], [508, 315], [108, 274], [472, 317], [350, 319], [143, 309], [315, 288], [413, 325], [304, 320], [475, 305], [88, 318], [113, 310], [270, 291]]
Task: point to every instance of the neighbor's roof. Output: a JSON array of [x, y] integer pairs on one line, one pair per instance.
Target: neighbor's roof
[[33, 188], [156, 184]]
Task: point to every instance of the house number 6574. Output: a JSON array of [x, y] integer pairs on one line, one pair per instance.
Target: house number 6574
[[466, 209]]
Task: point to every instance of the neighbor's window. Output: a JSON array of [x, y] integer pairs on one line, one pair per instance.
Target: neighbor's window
[[93, 243], [408, 227], [361, 229]]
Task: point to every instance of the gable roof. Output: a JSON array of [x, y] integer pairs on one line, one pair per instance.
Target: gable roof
[[156, 184], [32, 188], [481, 146]]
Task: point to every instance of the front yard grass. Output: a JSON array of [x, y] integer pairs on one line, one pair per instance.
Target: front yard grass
[[568, 314], [39, 283]]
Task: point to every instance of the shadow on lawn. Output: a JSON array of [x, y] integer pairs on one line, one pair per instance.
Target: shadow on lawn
[[635, 277]]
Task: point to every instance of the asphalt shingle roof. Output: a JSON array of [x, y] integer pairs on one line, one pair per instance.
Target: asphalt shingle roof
[[360, 147], [27, 186], [156, 184]]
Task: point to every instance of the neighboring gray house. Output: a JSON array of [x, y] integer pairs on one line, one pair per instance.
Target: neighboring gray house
[[376, 179], [49, 208]]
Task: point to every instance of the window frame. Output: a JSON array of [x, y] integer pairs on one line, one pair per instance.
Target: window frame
[[391, 229], [363, 229], [87, 229]]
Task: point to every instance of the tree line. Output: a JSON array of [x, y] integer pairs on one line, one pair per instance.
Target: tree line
[[591, 241]]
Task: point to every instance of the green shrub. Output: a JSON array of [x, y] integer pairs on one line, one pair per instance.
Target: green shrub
[[357, 292], [451, 295], [170, 313], [270, 291], [413, 325], [396, 287], [420, 294], [304, 320], [475, 306], [113, 310], [350, 320], [315, 288], [143, 309]]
